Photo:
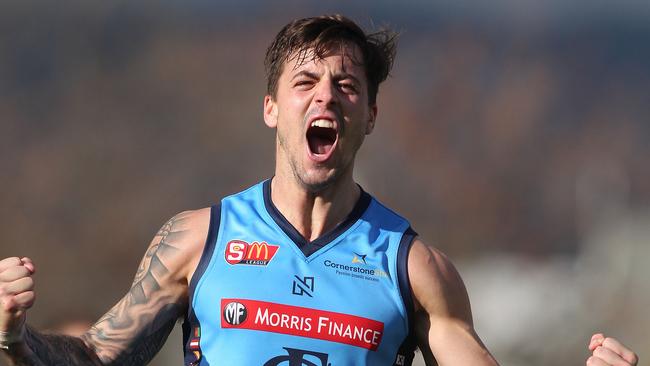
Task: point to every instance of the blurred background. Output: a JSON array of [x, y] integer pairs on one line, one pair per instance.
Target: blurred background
[[513, 134]]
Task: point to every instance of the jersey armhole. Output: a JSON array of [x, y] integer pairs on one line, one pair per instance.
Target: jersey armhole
[[403, 274], [191, 326], [208, 249], [406, 351]]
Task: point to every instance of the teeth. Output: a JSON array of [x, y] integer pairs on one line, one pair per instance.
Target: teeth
[[324, 123]]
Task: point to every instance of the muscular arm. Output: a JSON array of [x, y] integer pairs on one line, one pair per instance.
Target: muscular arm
[[133, 331], [443, 318]]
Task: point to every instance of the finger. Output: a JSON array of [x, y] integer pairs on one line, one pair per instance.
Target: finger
[[18, 303], [595, 361], [9, 304], [609, 356], [14, 273], [19, 286], [27, 262], [9, 262], [618, 348], [596, 340], [25, 300]]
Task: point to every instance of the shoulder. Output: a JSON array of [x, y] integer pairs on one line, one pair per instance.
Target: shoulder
[[183, 237], [437, 286], [191, 221]]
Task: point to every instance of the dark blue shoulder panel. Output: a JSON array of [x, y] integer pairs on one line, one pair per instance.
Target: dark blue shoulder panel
[[406, 351], [208, 250], [191, 326]]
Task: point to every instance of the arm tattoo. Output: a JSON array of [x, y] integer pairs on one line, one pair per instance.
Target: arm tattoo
[[46, 350], [134, 330]]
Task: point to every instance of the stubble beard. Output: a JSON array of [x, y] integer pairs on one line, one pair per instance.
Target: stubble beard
[[302, 177]]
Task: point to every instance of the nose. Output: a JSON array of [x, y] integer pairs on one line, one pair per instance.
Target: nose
[[325, 94]]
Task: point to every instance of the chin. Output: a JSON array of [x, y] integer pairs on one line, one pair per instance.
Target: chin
[[318, 181]]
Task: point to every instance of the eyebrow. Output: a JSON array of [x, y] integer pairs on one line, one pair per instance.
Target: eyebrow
[[309, 74], [313, 75]]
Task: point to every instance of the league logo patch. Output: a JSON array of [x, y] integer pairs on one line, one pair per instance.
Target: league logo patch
[[256, 253]]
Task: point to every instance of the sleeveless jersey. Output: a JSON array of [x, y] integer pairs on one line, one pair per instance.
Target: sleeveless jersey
[[264, 295]]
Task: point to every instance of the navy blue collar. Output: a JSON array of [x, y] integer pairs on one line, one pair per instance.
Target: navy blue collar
[[306, 246]]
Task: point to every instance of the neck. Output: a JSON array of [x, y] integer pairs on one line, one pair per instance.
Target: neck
[[314, 213]]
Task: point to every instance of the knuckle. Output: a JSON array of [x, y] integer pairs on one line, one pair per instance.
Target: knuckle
[[5, 288], [630, 357], [8, 303], [591, 361]]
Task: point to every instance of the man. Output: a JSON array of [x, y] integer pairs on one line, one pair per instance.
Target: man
[[302, 269]]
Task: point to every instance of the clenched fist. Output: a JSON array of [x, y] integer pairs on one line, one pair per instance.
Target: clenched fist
[[16, 293], [608, 351]]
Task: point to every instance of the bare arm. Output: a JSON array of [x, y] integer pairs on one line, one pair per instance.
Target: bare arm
[[133, 331], [444, 326]]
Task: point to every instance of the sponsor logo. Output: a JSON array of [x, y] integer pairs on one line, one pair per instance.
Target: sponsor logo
[[400, 360], [299, 357], [304, 322], [303, 286], [256, 253], [234, 313], [358, 269], [358, 258]]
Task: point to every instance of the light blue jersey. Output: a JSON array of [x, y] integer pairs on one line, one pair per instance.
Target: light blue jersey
[[263, 295]]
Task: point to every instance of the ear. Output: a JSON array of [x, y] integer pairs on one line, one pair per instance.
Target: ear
[[372, 116], [270, 112]]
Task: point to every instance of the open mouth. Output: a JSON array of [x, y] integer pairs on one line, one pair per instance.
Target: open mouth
[[321, 137]]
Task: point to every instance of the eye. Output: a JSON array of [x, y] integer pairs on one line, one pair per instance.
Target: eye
[[304, 84], [348, 87]]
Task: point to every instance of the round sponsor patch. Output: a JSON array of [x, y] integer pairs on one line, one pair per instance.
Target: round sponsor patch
[[235, 313]]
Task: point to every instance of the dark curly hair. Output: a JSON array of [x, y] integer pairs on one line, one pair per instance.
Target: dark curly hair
[[320, 35]]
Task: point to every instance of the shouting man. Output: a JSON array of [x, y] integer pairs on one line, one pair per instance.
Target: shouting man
[[305, 268]]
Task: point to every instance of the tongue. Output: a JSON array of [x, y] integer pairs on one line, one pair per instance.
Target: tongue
[[320, 145]]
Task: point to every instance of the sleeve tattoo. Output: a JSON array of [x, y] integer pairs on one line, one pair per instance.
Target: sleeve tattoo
[[134, 330]]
